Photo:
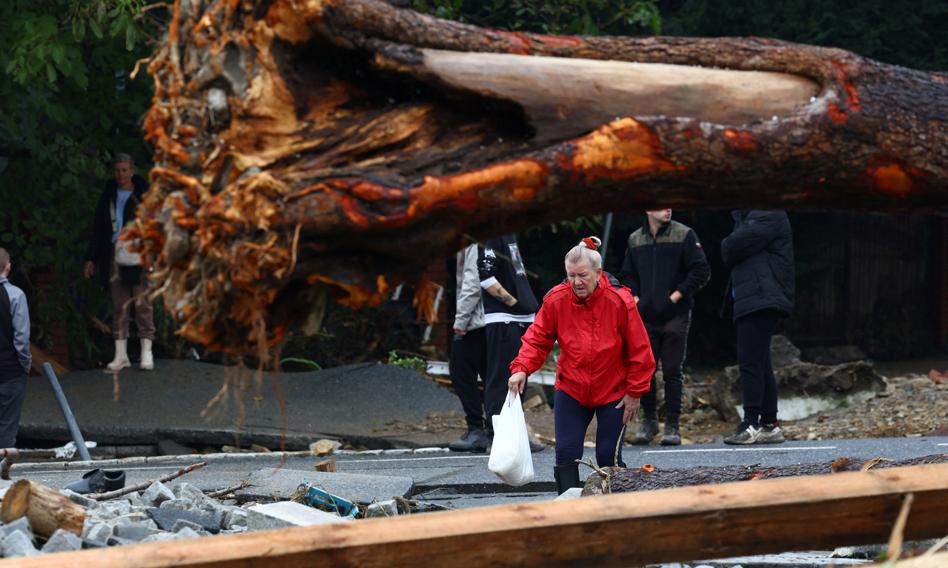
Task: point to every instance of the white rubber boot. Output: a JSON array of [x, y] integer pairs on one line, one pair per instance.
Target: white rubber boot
[[121, 357], [148, 361]]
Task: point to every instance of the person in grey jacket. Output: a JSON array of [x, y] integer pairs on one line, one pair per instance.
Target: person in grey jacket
[[469, 352], [15, 357], [759, 252]]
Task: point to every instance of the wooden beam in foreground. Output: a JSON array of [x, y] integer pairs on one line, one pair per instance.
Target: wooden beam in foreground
[[707, 521]]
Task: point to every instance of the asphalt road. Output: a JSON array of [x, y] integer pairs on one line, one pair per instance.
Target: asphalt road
[[463, 480]]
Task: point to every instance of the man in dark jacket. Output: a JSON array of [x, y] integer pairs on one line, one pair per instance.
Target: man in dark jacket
[[759, 252], [509, 308], [15, 357], [126, 284], [664, 266]]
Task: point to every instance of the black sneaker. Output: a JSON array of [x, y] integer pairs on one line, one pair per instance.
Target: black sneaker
[[770, 434], [647, 431], [671, 437], [745, 435], [472, 441], [98, 481]]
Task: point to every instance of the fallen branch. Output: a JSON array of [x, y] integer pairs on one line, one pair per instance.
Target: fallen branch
[[218, 494], [142, 486]]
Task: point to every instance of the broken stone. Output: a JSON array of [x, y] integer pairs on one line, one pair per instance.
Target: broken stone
[[186, 532], [324, 447], [156, 494], [21, 524], [62, 541], [236, 518], [165, 518], [80, 499], [97, 534], [571, 493], [134, 531], [17, 543], [189, 492], [288, 514], [388, 508], [182, 524]]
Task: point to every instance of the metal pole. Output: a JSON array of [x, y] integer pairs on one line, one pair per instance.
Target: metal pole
[[605, 235], [67, 413]]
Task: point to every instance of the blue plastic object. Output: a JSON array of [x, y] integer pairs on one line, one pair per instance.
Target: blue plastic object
[[326, 501]]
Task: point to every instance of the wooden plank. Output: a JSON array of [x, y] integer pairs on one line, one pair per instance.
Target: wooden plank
[[707, 521]]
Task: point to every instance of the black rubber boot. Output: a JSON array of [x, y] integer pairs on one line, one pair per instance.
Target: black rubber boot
[[566, 476]]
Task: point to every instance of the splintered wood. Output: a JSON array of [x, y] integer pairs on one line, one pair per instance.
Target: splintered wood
[[330, 149]]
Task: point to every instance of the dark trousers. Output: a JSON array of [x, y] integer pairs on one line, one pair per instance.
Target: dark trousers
[[468, 361], [12, 392], [503, 343], [669, 343], [570, 421], [759, 387]]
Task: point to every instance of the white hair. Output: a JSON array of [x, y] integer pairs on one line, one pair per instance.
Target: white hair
[[583, 253]]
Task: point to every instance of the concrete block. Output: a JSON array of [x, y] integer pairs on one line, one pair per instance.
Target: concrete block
[[17, 543], [288, 514], [388, 508], [17, 525], [282, 483], [156, 494], [62, 541], [80, 499]]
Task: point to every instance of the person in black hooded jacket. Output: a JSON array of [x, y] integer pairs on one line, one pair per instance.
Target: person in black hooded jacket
[[126, 284], [759, 253]]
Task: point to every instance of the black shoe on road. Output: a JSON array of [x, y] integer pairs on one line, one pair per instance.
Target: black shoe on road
[[472, 441], [671, 437], [646, 432], [98, 481]]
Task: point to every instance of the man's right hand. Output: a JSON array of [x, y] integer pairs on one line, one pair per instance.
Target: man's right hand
[[88, 269], [459, 332], [516, 382]]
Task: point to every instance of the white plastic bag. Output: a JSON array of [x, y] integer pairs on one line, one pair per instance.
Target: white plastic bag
[[510, 456]]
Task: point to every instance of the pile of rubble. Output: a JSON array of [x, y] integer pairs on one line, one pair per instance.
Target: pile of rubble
[[183, 511]]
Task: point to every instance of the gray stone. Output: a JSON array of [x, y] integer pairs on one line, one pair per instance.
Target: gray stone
[[80, 499], [156, 494], [181, 524], [236, 518], [282, 484], [21, 524], [136, 501], [97, 534], [160, 537], [62, 541], [189, 492], [135, 531], [17, 543], [166, 518], [186, 532], [179, 504], [288, 514], [112, 509], [213, 511], [387, 508]]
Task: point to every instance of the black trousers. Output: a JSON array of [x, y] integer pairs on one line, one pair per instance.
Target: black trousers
[[759, 387], [12, 393], [503, 344], [669, 344], [570, 422], [468, 361]]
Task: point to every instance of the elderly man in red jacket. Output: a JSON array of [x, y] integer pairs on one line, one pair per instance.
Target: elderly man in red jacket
[[605, 362]]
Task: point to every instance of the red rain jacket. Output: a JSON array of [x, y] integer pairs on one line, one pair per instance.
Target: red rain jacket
[[604, 349]]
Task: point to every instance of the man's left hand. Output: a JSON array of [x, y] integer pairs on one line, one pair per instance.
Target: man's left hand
[[676, 297], [630, 406]]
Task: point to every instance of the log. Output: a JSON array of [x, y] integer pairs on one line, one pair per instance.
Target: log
[[329, 148], [47, 509], [609, 530]]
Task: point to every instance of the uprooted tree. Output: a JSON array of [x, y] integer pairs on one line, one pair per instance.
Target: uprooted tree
[[307, 149]]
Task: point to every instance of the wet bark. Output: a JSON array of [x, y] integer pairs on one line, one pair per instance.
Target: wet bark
[[648, 478], [313, 147]]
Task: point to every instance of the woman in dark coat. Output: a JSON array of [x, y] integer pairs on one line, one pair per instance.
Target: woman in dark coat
[[126, 284], [759, 253]]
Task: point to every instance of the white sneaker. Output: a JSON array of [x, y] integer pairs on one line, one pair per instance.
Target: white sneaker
[[745, 435]]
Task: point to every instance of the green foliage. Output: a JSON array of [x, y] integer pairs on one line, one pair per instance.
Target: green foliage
[[585, 17], [406, 361], [67, 104]]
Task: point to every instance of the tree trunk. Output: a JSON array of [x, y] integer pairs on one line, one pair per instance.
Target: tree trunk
[[47, 509], [306, 147]]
